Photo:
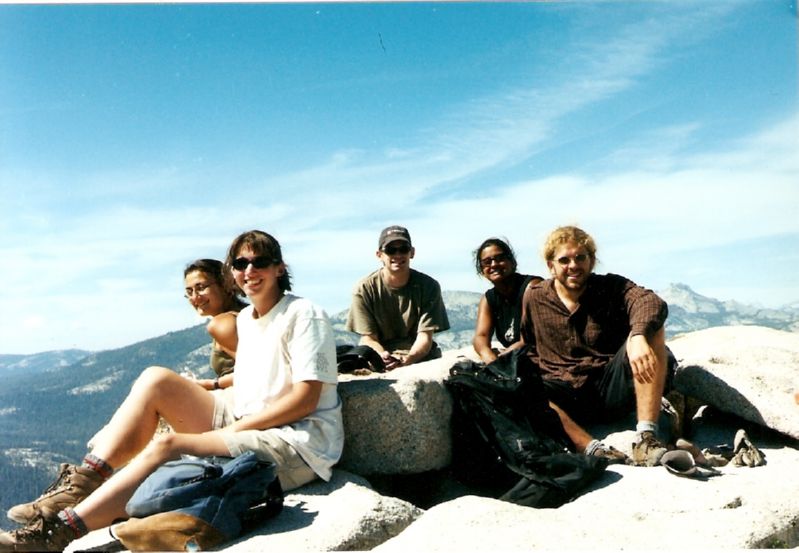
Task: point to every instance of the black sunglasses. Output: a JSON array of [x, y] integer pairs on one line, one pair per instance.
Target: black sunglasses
[[486, 262], [258, 262], [579, 258], [394, 250]]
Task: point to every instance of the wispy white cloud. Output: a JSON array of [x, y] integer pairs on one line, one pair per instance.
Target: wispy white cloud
[[639, 215], [500, 129], [110, 273]]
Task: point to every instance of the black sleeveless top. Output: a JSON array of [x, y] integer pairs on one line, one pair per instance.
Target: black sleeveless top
[[506, 314]]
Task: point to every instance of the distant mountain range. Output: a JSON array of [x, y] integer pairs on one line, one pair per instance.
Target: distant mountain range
[[39, 362], [689, 311], [51, 403]]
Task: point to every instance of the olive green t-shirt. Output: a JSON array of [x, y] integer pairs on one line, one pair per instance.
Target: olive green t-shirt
[[396, 315]]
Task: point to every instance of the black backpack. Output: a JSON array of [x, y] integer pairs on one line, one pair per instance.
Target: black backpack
[[351, 358], [507, 441]]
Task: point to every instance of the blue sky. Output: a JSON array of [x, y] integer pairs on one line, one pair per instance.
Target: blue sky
[[135, 138]]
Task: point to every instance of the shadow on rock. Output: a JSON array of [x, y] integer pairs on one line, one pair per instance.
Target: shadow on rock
[[698, 382]]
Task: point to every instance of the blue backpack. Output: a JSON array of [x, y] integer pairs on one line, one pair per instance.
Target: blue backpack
[[224, 493]]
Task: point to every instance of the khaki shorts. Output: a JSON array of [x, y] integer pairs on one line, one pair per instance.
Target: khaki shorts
[[292, 470]]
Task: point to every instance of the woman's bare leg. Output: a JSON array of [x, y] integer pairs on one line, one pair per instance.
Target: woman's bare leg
[[107, 503], [157, 392]]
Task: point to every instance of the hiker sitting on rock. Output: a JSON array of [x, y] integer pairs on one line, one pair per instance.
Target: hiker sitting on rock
[[500, 309], [213, 295], [599, 341], [397, 309], [283, 406]]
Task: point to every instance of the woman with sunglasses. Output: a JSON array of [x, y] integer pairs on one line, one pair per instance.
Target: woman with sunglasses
[[284, 406], [214, 296], [500, 308]]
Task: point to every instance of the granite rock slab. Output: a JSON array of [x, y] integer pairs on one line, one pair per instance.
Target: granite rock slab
[[749, 371], [630, 508], [344, 514]]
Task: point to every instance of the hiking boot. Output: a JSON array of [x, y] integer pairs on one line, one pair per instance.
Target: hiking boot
[[648, 450], [72, 486], [42, 533], [613, 455]]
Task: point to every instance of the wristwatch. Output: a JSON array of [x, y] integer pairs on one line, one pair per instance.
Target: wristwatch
[[216, 384]]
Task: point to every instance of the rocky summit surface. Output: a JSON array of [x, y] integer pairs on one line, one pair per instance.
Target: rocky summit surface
[[391, 491]]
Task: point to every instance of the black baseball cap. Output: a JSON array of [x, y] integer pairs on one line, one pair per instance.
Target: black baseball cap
[[393, 234]]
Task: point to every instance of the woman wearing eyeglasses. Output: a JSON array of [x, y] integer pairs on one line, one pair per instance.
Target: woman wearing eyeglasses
[[500, 308], [284, 406], [212, 295]]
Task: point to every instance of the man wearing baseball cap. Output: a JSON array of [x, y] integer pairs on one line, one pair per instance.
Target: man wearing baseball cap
[[397, 309]]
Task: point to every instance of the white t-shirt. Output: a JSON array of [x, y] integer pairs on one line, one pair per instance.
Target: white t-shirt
[[292, 343]]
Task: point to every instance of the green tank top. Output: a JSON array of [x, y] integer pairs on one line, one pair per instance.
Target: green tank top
[[221, 362]]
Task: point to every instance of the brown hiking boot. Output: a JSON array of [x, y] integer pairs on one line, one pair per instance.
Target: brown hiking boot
[[72, 486], [648, 450], [42, 533]]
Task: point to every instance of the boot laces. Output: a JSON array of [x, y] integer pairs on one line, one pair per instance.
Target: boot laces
[[62, 482], [40, 528]]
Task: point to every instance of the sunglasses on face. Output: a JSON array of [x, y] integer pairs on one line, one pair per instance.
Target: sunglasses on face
[[198, 289], [486, 262], [394, 250], [579, 258], [258, 262]]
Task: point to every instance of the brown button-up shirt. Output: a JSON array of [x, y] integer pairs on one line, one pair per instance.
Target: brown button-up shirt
[[571, 346]]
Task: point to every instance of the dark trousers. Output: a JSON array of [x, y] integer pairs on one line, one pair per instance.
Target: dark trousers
[[607, 395]]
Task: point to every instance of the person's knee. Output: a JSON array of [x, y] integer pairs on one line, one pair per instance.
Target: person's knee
[[151, 379], [162, 448], [153, 374], [658, 344]]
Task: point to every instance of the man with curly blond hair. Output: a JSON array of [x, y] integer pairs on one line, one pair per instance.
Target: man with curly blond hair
[[599, 341]]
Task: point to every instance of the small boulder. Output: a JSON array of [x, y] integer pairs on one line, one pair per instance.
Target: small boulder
[[399, 422], [748, 371]]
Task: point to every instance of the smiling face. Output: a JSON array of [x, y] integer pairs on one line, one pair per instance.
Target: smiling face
[[496, 264], [571, 266], [204, 294], [396, 256], [258, 284]]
